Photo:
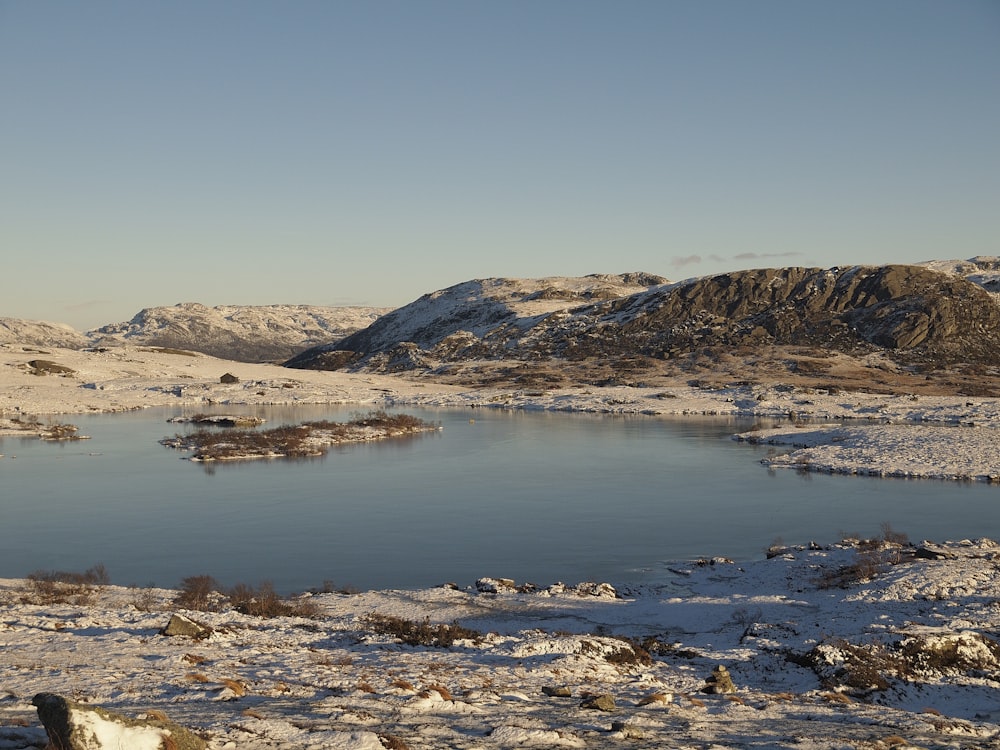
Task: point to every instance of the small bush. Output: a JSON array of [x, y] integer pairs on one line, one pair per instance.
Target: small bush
[[630, 655], [420, 633], [145, 599], [63, 587], [265, 602], [199, 593]]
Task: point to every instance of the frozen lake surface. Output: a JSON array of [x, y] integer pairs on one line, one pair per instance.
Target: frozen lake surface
[[532, 496]]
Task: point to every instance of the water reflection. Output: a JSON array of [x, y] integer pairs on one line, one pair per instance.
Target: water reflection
[[531, 496]]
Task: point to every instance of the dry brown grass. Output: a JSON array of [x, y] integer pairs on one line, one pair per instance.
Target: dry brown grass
[[724, 366], [439, 689], [836, 698], [237, 688], [392, 742], [65, 587]]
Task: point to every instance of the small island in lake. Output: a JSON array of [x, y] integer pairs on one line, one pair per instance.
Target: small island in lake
[[304, 440]]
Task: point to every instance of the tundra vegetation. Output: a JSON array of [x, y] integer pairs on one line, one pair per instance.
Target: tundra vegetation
[[308, 439]]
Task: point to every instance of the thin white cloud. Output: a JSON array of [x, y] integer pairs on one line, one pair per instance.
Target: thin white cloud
[[760, 256], [687, 260]]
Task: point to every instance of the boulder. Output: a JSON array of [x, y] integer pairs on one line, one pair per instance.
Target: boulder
[[73, 726], [604, 702], [181, 625]]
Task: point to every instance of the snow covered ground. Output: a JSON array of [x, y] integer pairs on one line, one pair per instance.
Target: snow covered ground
[[844, 646], [126, 378], [848, 646]]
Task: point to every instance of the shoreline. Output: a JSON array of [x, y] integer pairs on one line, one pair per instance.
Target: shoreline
[[862, 644], [893, 435]]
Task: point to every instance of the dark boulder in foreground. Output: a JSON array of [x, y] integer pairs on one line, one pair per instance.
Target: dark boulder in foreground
[[73, 726]]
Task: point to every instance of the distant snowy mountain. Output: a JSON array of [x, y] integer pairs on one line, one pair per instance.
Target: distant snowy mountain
[[983, 270], [40, 333], [242, 333]]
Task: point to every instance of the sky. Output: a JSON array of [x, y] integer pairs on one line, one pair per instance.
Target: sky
[[366, 153]]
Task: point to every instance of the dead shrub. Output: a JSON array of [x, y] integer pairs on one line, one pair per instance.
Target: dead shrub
[[305, 440], [264, 601], [440, 690], [64, 587], [632, 654], [874, 556], [199, 593], [392, 742], [237, 688], [857, 669], [420, 633]]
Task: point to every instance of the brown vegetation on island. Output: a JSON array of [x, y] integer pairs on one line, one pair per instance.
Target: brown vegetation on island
[[295, 441]]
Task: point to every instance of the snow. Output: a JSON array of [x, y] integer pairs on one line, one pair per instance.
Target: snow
[[111, 734], [330, 681], [928, 627]]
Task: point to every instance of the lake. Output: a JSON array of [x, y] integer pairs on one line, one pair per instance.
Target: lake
[[534, 496]]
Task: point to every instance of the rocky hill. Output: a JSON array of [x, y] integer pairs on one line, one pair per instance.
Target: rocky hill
[[918, 320], [237, 332], [463, 320]]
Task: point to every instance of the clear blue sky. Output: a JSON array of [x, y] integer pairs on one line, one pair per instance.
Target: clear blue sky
[[242, 152]]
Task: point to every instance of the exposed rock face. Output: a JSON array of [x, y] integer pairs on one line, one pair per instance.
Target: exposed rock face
[[73, 726], [917, 313], [897, 307], [462, 321]]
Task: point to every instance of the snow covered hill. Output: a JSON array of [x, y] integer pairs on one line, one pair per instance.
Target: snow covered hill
[[983, 270], [40, 333], [236, 332], [473, 311], [929, 316]]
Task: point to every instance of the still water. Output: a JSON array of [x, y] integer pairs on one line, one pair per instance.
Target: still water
[[532, 496]]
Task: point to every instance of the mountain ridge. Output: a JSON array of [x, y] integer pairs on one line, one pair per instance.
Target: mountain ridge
[[919, 319], [246, 333]]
